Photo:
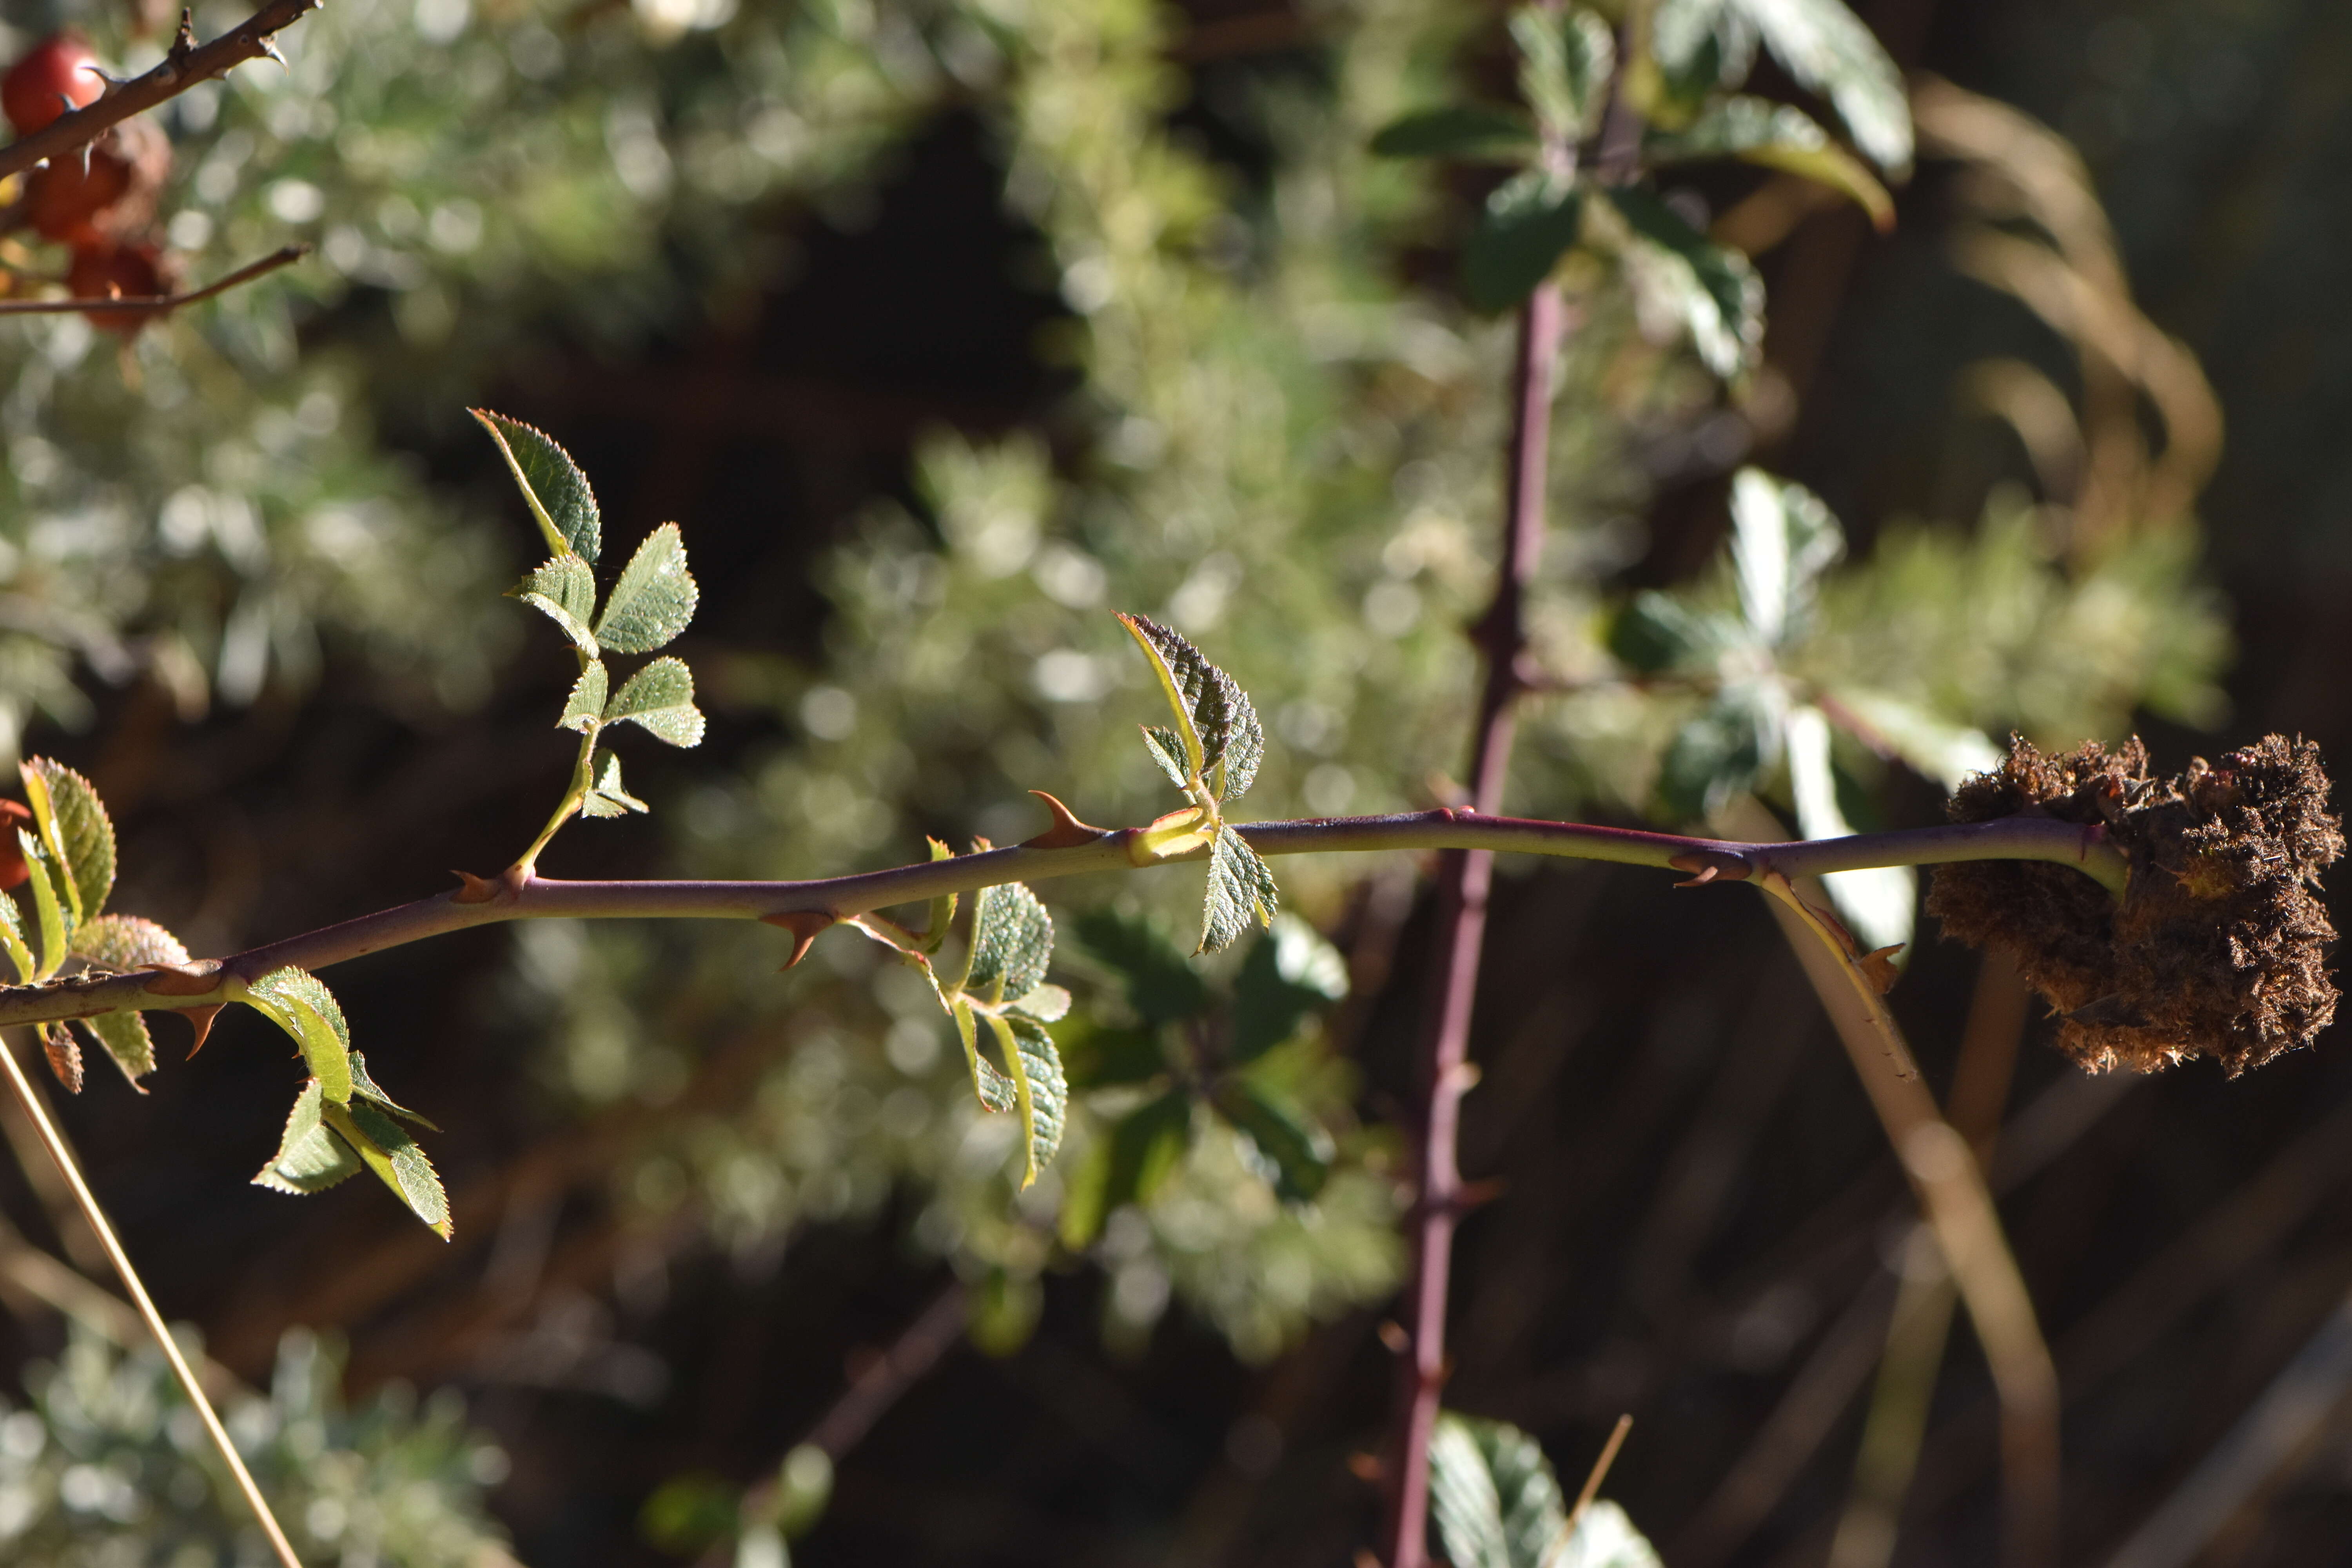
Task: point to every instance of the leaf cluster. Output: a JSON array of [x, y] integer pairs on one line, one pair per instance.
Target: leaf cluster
[[1494, 1502]]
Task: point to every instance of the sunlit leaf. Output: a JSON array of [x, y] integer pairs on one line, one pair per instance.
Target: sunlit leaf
[[1241, 891], [654, 597], [1217, 723], [1472, 132], [12, 940], [606, 797], [661, 698], [1711, 291], [310, 1157], [1826, 47], [1774, 135], [77, 829], [1527, 225], [1565, 60], [300, 1003], [42, 877], [394, 1156], [1782, 540], [584, 709], [125, 943], [1012, 943], [1167, 749], [1492, 1494], [366, 1088], [994, 1090], [552, 485], [1041, 1092]]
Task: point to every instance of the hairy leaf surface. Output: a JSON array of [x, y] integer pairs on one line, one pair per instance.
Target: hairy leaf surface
[[1012, 943], [389, 1151], [1241, 891], [1041, 1092], [655, 598], [584, 709], [552, 485], [661, 698]]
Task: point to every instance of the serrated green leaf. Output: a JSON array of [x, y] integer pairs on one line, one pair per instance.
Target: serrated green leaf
[[127, 1041], [77, 831], [310, 1157], [1473, 132], [1711, 293], [1216, 720], [42, 877], [606, 797], [126, 943], [552, 485], [1299, 1151], [1290, 973], [300, 1003], [584, 710], [1878, 903], [1720, 750], [1241, 891], [12, 938], [655, 598], [993, 1089], [1826, 47], [660, 698], [1783, 539], [1527, 225], [564, 580], [1042, 1093], [1565, 60], [1492, 1494], [1160, 985], [1167, 749], [1012, 943], [1777, 136], [1127, 1166], [366, 1088], [389, 1151]]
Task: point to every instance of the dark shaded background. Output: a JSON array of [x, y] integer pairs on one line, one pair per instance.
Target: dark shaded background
[[1699, 1207]]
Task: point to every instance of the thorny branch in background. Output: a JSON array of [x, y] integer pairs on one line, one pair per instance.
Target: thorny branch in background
[[184, 65], [158, 304]]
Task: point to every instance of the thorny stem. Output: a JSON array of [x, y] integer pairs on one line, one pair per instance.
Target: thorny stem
[[157, 304], [88, 1202], [184, 65], [484, 902]]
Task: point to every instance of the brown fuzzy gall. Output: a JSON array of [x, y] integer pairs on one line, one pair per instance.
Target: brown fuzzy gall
[[2220, 947]]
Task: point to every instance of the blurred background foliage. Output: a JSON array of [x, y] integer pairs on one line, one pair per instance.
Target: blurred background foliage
[[943, 330]]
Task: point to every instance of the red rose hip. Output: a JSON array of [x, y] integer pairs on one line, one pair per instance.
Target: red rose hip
[[35, 90]]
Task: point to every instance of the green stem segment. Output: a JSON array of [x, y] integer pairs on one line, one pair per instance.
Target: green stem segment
[[1121, 849]]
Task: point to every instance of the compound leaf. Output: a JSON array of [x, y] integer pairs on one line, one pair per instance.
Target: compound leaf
[[1777, 136], [563, 589], [655, 598], [605, 797], [1299, 1151], [1828, 50], [300, 1003], [75, 826], [1711, 291], [584, 710], [310, 1157], [1528, 224], [1216, 721], [1565, 60], [552, 485], [1241, 891], [388, 1151], [1291, 972], [1474, 132], [1042, 1092], [1012, 943], [1160, 985], [660, 698]]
